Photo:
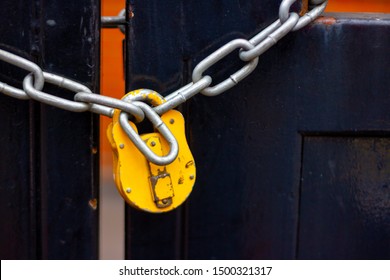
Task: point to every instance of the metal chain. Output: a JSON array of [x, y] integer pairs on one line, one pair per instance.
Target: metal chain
[[85, 100], [118, 21]]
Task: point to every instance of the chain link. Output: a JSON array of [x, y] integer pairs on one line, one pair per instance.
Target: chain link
[[160, 126], [216, 56], [270, 37], [182, 95], [315, 11], [84, 100], [26, 65], [118, 21], [105, 101]]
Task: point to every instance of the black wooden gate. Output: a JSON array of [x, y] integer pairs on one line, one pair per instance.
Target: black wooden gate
[[294, 162], [48, 162]]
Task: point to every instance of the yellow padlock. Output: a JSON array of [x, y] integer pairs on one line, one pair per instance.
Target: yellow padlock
[[144, 185]]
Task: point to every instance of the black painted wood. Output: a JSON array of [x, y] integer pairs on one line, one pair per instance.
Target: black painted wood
[[17, 214], [49, 170], [251, 200], [313, 82], [70, 150], [164, 41], [345, 198]]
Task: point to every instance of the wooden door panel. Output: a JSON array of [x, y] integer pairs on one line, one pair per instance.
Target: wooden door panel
[[48, 167], [345, 198]]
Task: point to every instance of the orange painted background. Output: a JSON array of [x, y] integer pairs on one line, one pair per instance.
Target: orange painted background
[[112, 76], [372, 6]]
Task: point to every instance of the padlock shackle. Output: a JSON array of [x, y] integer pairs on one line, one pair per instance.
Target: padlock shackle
[[160, 126]]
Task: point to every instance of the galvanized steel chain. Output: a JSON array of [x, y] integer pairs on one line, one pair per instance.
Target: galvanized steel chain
[[85, 100], [118, 21]]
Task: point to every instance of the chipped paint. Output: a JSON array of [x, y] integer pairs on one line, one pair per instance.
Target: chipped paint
[[93, 203], [305, 7], [326, 20]]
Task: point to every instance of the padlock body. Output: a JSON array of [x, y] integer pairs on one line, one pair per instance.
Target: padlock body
[[147, 186]]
